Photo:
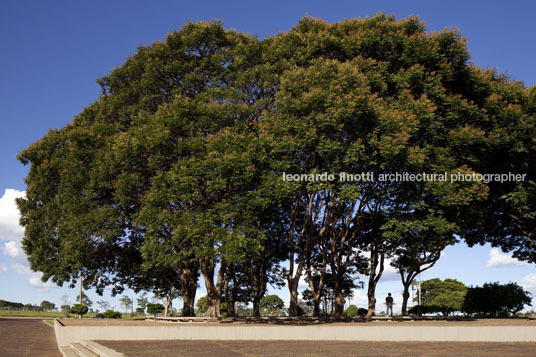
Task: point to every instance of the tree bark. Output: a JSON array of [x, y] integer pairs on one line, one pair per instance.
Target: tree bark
[[375, 259], [316, 306], [339, 304], [339, 297], [293, 289], [405, 297], [189, 288], [213, 290], [256, 306], [231, 300], [166, 302], [316, 291], [230, 294]]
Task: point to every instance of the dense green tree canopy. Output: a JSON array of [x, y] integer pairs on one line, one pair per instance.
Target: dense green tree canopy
[[176, 170], [496, 300], [445, 296], [272, 305]]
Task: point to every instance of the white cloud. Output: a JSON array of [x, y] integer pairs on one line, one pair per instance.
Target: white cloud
[[9, 216], [529, 281], [35, 281], [359, 299], [11, 249], [501, 260], [3, 268], [389, 272], [21, 269]]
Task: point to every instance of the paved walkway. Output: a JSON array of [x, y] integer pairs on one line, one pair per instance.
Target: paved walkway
[[319, 349], [27, 337]]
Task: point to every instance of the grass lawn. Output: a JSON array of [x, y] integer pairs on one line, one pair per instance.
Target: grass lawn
[[16, 313], [50, 322]]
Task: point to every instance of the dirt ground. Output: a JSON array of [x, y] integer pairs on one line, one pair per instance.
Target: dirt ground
[[318, 348], [27, 337], [476, 322]]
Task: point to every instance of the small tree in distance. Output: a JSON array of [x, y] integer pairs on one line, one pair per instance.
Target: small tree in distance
[[351, 311], [496, 300], [79, 310], [142, 303], [126, 302], [47, 305], [201, 305], [103, 304], [154, 309], [85, 300], [272, 305], [445, 296]]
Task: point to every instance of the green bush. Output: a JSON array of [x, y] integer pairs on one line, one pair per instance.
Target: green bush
[[111, 314], [79, 309], [351, 311], [154, 309]]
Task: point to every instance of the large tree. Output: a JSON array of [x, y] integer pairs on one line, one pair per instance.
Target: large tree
[[178, 166]]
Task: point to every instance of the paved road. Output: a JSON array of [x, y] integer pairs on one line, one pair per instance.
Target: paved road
[[27, 337]]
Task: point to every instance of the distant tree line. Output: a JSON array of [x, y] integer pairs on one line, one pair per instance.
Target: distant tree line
[[490, 300], [174, 176], [44, 306]]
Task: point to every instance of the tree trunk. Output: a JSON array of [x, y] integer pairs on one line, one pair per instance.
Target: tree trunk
[[293, 289], [316, 306], [316, 291], [339, 304], [339, 297], [373, 280], [213, 290], [166, 302], [230, 294], [405, 297], [371, 307], [231, 311], [256, 306], [189, 288], [213, 301]]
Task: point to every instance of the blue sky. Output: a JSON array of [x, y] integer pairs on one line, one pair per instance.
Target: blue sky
[[52, 53]]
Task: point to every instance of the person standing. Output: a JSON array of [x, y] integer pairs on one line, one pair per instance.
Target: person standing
[[389, 303]]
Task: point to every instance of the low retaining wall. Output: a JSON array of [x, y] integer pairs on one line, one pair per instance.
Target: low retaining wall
[[69, 334]]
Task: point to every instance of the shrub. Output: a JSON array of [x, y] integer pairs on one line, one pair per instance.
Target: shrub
[[111, 314], [79, 309], [351, 311], [155, 309]]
